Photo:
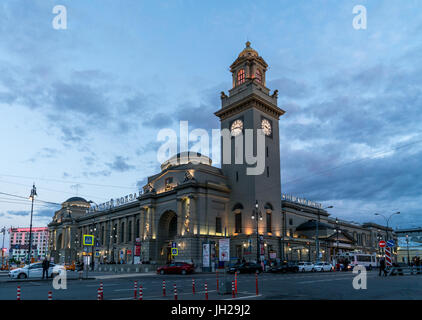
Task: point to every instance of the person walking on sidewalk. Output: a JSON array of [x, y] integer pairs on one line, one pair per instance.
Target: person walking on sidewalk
[[45, 267]]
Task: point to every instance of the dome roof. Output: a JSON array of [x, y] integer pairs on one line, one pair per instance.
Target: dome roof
[[185, 158], [311, 225], [76, 199], [248, 51]]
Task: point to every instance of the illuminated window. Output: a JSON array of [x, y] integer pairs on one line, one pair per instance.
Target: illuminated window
[[258, 76], [241, 76]]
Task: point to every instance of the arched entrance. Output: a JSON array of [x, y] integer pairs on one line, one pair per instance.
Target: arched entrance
[[167, 231]]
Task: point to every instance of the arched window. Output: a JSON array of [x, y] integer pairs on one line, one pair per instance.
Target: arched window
[[240, 76], [138, 235], [268, 206], [269, 230], [258, 75], [129, 231], [115, 233], [103, 235], [238, 222], [122, 232], [237, 206]]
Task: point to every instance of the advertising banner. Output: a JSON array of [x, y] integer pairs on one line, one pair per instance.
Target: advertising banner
[[224, 250]]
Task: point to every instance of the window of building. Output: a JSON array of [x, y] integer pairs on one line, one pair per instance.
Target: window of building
[[269, 222], [240, 76], [258, 75], [122, 232], [291, 221], [138, 235], [237, 176], [238, 223], [267, 151], [218, 228], [129, 232], [268, 171]]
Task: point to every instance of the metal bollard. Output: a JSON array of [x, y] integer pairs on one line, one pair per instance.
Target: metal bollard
[[217, 279], [50, 295], [140, 293], [18, 293], [98, 294], [102, 290], [256, 282], [233, 294], [193, 286], [206, 291], [135, 289], [235, 282], [164, 288], [175, 292]]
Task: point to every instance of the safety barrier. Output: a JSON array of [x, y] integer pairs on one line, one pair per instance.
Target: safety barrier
[[410, 270]]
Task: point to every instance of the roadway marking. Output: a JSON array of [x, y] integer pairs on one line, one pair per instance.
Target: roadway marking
[[246, 297], [124, 276], [324, 280]]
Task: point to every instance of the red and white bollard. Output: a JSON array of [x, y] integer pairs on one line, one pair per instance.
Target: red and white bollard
[[193, 286], [235, 281], [175, 292], [141, 295], [102, 291], [164, 288], [98, 294], [233, 293], [256, 282], [50, 295], [18, 293], [217, 279], [206, 291], [135, 289]]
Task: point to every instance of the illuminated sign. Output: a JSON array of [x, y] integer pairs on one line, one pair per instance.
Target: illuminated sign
[[309, 203], [115, 202]]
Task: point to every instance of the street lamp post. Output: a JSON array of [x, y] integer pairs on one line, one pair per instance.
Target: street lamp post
[[317, 235], [256, 215], [337, 230], [386, 231], [32, 198]]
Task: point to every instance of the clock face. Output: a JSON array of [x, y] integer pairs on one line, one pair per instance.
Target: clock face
[[236, 127], [266, 126]]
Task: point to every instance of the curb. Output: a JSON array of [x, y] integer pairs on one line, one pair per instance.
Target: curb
[[41, 280]]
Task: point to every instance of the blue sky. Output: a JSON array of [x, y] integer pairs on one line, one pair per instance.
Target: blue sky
[[80, 108]]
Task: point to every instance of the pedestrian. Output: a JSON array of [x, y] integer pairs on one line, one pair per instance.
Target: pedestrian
[[80, 269], [45, 267], [382, 267]]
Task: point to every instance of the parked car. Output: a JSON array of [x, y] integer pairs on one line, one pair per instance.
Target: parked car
[[176, 267], [323, 266], [284, 267], [246, 267], [70, 266], [305, 266], [34, 270]]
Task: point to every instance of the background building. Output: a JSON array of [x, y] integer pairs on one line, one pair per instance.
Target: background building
[[19, 243], [191, 204], [409, 244]]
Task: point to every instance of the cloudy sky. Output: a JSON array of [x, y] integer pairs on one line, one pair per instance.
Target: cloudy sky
[[80, 108]]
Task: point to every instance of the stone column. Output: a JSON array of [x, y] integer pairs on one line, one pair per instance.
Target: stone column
[[180, 218], [194, 223], [142, 221], [153, 226]]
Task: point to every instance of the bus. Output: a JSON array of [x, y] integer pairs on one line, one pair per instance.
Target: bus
[[369, 261]]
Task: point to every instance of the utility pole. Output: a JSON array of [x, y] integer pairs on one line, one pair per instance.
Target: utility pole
[[408, 255], [32, 198]]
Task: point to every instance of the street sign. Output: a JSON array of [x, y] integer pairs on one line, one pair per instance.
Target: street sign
[[129, 252], [390, 243], [88, 240], [174, 251], [382, 244], [174, 244], [97, 243]]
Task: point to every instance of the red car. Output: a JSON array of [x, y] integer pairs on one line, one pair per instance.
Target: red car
[[176, 267]]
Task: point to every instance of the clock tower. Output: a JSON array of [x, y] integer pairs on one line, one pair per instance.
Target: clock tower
[[250, 105]]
